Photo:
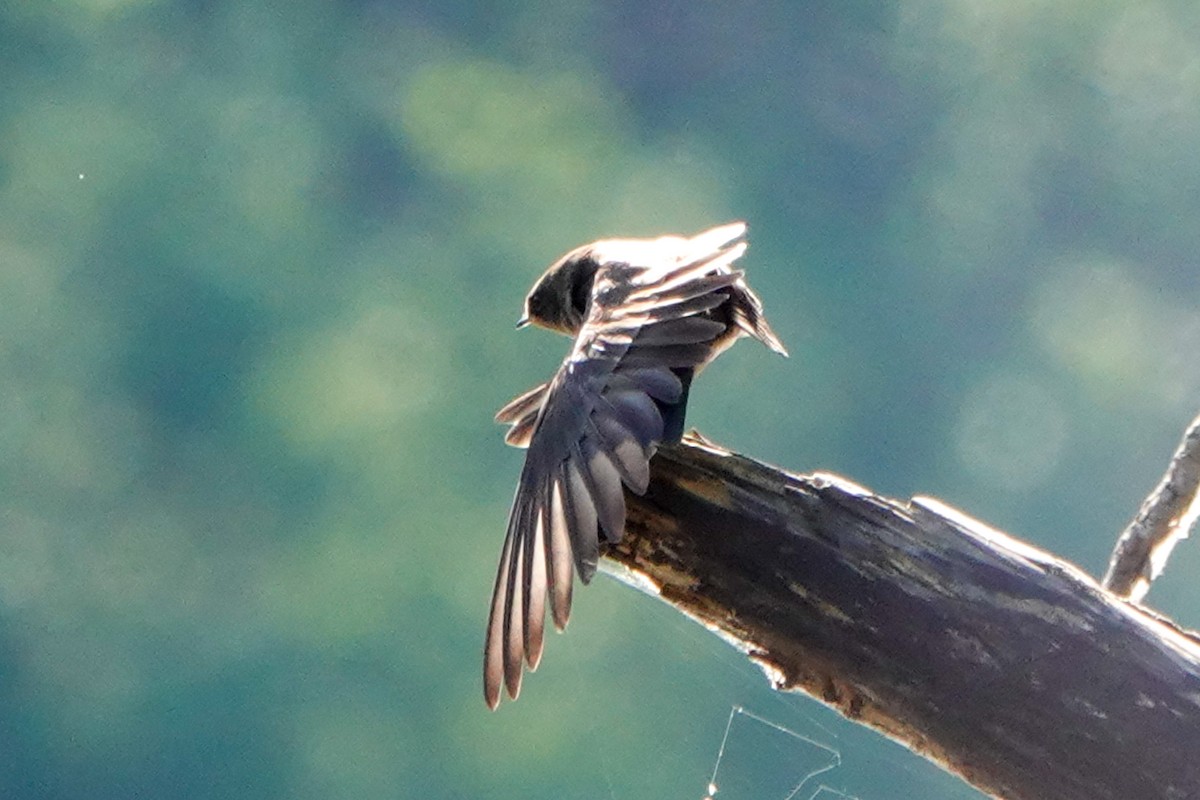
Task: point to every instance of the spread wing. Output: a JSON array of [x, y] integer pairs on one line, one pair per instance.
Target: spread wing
[[591, 431]]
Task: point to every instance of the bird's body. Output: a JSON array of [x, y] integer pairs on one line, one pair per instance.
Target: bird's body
[[647, 315]]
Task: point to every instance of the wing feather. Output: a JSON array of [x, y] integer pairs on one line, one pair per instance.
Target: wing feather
[[521, 414], [688, 330], [604, 484], [670, 355], [624, 450], [658, 382], [694, 305], [514, 638], [522, 404], [583, 522], [493, 649], [634, 410], [521, 431], [558, 553], [534, 589]]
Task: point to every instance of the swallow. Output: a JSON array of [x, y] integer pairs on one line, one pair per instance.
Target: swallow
[[646, 315]]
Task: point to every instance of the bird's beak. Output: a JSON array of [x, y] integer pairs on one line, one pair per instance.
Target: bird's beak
[[523, 321]]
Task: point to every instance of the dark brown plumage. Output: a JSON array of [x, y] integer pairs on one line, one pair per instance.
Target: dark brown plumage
[[646, 314]]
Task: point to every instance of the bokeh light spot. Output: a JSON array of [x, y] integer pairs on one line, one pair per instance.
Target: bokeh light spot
[[1010, 432]]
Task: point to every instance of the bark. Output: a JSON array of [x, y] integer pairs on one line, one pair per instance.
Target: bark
[[996, 660], [1165, 518]]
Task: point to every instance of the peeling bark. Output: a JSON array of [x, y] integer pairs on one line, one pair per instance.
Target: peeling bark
[[996, 660]]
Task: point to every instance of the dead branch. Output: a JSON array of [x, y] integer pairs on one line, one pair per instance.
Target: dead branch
[[1164, 518], [994, 659]]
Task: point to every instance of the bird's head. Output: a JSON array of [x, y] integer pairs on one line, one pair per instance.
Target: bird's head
[[559, 299]]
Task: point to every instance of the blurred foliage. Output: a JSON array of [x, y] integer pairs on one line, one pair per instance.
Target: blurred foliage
[[260, 263]]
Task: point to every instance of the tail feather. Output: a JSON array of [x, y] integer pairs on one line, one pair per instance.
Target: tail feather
[[748, 315]]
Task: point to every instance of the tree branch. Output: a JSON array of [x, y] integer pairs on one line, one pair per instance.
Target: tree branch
[[992, 658], [1164, 518]]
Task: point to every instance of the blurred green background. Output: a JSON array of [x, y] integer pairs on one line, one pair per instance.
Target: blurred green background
[[259, 268]]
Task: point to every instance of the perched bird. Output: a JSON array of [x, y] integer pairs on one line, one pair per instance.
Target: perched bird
[[646, 315]]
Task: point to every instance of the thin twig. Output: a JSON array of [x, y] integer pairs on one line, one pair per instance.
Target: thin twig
[[1165, 517]]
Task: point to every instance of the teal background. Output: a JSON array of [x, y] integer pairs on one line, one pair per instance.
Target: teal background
[[259, 267]]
